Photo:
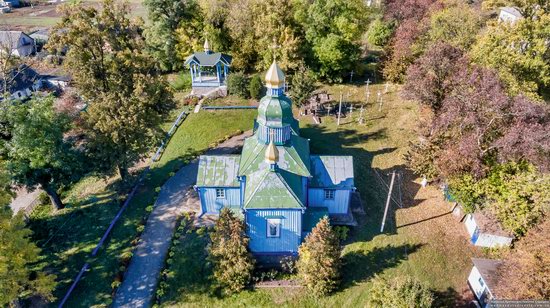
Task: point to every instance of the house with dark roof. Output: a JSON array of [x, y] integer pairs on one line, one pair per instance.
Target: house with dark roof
[[17, 43], [482, 280], [208, 68], [275, 185]]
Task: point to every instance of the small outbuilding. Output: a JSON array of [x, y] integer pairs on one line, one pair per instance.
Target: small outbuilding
[[483, 279], [208, 68], [485, 230], [17, 43]]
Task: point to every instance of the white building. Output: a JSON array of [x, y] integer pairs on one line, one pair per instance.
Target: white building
[[485, 230], [18, 43], [482, 278], [509, 14]]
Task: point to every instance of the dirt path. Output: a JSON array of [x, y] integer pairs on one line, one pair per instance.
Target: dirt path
[[141, 278]]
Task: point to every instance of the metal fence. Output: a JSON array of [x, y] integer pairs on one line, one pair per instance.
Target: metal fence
[[227, 107]]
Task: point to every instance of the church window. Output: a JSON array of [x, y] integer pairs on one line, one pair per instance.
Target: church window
[[273, 227], [329, 194]]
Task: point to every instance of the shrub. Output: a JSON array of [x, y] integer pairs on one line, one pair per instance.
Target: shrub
[[237, 84], [379, 33], [255, 87], [400, 292], [182, 82], [341, 232], [319, 259]]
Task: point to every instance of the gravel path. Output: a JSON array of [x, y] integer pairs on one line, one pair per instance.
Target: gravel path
[[141, 278]]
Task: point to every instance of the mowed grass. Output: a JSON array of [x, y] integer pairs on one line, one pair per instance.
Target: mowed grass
[[421, 239], [68, 236]]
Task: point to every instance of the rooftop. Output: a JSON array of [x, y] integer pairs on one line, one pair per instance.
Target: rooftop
[[218, 171], [488, 270], [332, 171], [488, 223], [208, 58]]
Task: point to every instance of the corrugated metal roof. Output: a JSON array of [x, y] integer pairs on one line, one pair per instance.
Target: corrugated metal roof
[[488, 270], [273, 189], [332, 172], [11, 39], [218, 171], [293, 157], [209, 59]]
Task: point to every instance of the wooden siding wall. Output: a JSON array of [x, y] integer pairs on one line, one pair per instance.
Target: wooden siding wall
[[281, 135], [290, 236], [211, 205], [339, 205]]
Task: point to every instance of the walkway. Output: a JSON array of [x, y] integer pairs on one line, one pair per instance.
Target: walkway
[[24, 200], [141, 278]]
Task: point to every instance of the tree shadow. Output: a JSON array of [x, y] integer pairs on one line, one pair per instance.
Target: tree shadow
[[450, 298], [361, 266]]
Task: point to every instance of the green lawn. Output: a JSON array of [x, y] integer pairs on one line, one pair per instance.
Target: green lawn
[[93, 202], [420, 239]]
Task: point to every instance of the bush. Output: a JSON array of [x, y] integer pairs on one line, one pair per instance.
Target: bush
[[182, 82], [400, 292], [255, 87], [379, 33], [237, 84], [341, 232], [303, 85]]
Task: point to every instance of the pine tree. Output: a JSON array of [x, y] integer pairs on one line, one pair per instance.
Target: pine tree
[[303, 84], [233, 262], [319, 259], [17, 255]]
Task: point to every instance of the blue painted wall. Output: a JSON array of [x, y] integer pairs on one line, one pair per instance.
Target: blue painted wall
[[211, 205], [339, 205], [290, 236]]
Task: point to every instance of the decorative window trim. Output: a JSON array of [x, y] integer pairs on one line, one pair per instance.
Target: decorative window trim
[[329, 194], [273, 227], [220, 193]]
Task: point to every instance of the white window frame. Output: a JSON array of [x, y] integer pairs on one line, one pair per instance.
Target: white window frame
[[220, 193], [275, 222], [329, 194]]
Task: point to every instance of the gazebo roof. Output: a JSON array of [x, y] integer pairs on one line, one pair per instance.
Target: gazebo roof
[[208, 58]]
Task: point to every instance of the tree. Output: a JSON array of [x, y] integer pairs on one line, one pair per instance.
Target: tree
[[400, 292], [456, 25], [20, 277], [519, 52], [429, 79], [167, 16], [237, 84], [302, 85], [240, 22], [379, 32], [38, 152], [127, 97], [332, 28], [228, 252], [319, 259], [525, 272], [255, 87]]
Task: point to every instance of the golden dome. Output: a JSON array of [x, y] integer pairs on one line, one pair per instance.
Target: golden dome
[[274, 78], [271, 153]]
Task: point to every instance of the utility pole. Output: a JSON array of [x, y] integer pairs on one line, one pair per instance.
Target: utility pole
[[387, 202], [340, 109]]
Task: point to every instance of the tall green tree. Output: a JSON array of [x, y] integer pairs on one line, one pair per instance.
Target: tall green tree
[[38, 153], [457, 25], [113, 72], [319, 259], [519, 52], [333, 29], [302, 85], [233, 262], [20, 276], [167, 16]]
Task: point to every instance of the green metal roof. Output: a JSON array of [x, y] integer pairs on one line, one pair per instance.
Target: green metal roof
[[275, 111], [312, 217], [208, 59], [293, 157], [218, 171], [332, 172], [273, 189]]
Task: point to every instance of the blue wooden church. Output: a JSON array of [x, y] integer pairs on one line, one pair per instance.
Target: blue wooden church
[[275, 185]]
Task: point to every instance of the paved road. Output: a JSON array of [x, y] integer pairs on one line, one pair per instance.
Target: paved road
[[139, 284], [23, 199]]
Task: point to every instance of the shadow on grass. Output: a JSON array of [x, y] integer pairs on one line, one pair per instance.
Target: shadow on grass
[[359, 266], [450, 298]]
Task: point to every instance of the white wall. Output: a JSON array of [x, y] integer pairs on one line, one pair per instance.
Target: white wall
[[473, 279], [489, 240]]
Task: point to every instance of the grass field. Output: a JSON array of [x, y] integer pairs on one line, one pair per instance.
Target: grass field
[[421, 239], [68, 236]]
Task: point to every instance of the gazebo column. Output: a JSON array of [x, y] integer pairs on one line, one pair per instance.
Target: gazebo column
[[218, 73], [192, 74]]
